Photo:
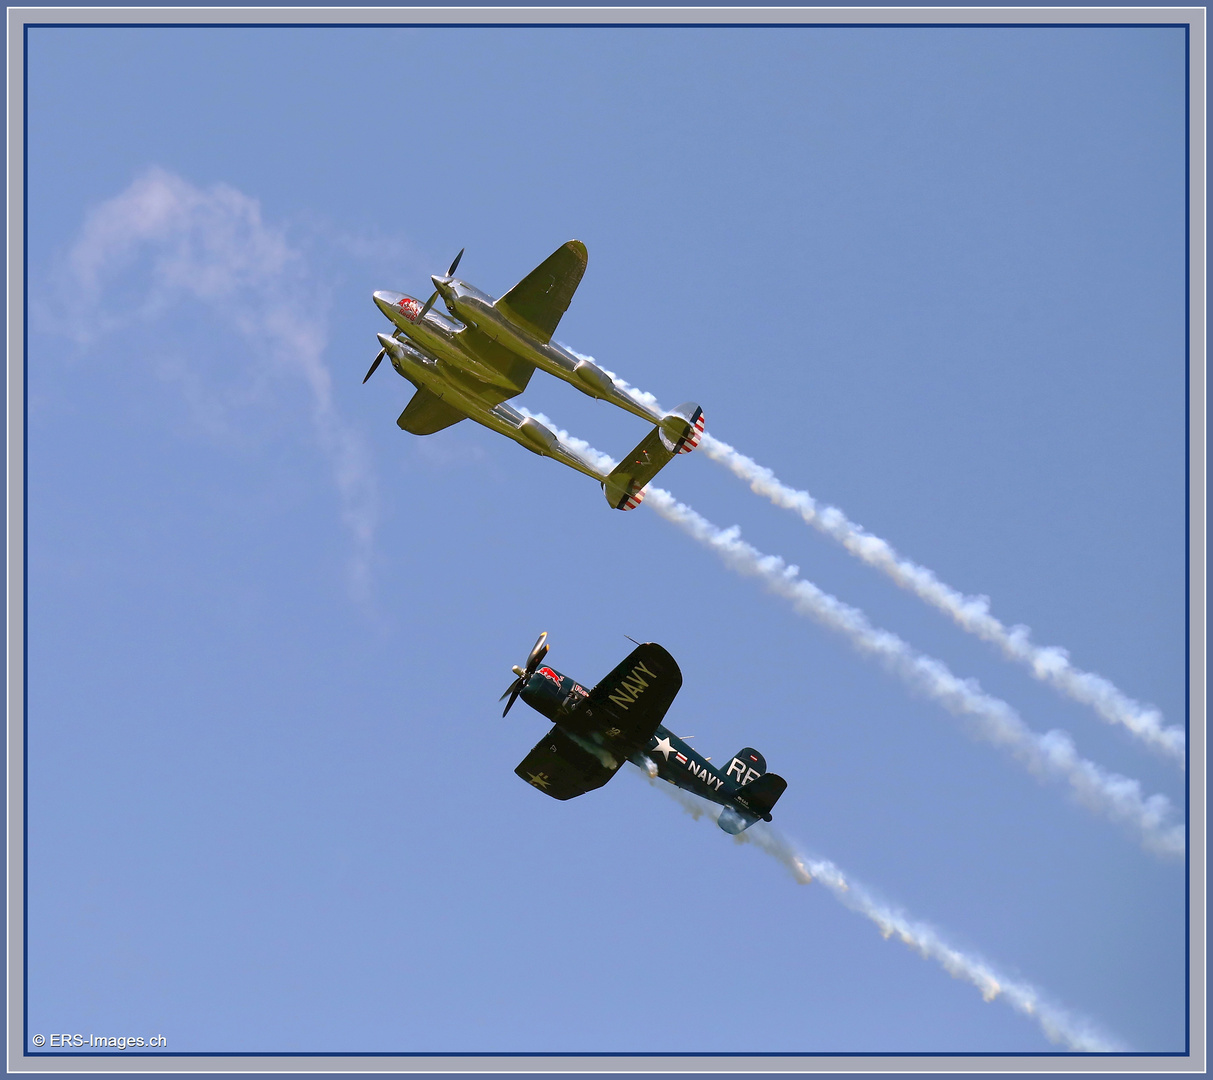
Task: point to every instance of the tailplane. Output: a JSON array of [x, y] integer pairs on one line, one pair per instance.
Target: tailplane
[[756, 794], [678, 432], [760, 796], [624, 487]]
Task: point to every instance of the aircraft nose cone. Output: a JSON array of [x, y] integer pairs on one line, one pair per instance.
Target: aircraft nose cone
[[386, 301]]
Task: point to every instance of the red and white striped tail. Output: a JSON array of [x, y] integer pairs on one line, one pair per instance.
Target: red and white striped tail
[[633, 500], [685, 446]]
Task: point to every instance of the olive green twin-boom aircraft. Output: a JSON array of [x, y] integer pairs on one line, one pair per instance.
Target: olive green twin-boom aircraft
[[471, 364], [595, 731]]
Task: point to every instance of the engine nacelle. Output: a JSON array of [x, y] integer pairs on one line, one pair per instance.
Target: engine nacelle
[[537, 434], [593, 376]]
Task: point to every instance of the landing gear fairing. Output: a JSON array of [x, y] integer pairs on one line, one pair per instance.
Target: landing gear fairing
[[471, 364]]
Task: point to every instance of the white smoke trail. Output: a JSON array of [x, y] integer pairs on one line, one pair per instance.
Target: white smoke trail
[[1051, 755], [213, 247], [1050, 664], [1058, 1025]]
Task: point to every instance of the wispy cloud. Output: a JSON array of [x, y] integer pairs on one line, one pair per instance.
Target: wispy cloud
[[1051, 755], [1058, 1024], [186, 244]]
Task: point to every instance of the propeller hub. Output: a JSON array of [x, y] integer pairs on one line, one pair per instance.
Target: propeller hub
[[538, 652]]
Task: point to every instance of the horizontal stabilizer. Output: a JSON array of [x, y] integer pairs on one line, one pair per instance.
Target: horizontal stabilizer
[[625, 486], [760, 796], [426, 413]]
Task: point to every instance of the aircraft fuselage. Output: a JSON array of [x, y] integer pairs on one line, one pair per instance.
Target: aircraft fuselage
[[472, 307], [450, 344], [554, 695]]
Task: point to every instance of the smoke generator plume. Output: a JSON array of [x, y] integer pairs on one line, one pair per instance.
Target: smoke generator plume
[[1058, 1025], [1052, 754], [1048, 663], [1051, 664]]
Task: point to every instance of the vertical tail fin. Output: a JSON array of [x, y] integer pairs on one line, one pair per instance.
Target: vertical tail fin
[[682, 428], [747, 765]]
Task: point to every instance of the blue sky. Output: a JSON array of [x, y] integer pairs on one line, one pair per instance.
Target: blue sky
[[932, 276]]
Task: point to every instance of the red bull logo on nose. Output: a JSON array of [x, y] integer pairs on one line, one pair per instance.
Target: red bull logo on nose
[[548, 673], [409, 308]]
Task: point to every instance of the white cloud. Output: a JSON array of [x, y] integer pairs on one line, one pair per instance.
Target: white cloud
[[184, 244]]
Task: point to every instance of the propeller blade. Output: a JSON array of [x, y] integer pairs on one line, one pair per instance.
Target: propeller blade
[[514, 690], [538, 652], [428, 304], [374, 365], [456, 262]]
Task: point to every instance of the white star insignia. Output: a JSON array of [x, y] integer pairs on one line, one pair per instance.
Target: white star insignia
[[663, 745]]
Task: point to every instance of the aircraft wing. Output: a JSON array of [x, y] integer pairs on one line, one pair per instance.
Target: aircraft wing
[[599, 734], [426, 413], [560, 766], [626, 707], [538, 301]]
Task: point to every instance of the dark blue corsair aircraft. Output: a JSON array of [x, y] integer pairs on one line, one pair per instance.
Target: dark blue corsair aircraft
[[595, 731]]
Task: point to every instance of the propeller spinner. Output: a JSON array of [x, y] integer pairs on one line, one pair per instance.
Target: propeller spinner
[[439, 282], [424, 311], [533, 661]]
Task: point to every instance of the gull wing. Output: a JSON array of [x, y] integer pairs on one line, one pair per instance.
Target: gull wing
[[538, 301], [603, 730], [629, 704], [564, 767]]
